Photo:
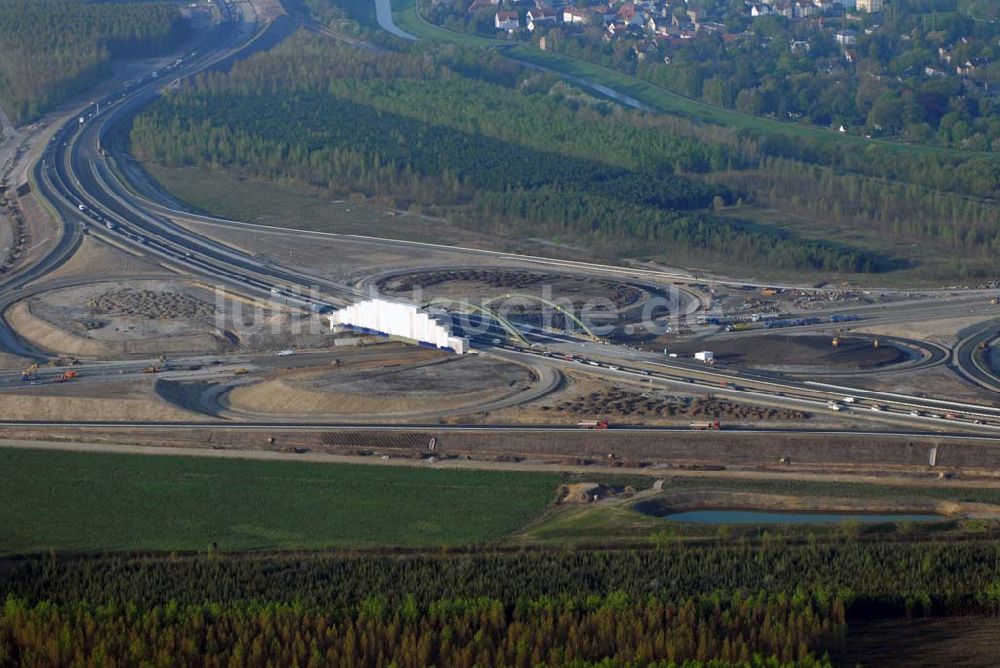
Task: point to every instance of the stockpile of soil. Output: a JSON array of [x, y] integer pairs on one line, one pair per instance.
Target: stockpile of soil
[[487, 282], [626, 403], [150, 304]]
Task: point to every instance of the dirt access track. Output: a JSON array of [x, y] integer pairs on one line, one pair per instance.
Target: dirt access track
[[649, 452]]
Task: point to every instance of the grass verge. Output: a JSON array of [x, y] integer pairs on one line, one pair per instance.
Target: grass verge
[[70, 501]]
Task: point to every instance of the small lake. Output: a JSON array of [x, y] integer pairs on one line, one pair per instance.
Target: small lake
[[723, 516]]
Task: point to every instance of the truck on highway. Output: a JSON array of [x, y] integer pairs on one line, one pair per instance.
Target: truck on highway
[[286, 352], [849, 400], [834, 406], [66, 375], [712, 425], [593, 424]]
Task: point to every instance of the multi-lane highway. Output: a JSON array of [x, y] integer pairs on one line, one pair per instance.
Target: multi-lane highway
[[83, 188]]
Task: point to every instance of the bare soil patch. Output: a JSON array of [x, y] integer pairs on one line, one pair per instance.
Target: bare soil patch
[[100, 319], [150, 304], [476, 284], [99, 260], [805, 351], [619, 402], [88, 401], [936, 641], [437, 384]]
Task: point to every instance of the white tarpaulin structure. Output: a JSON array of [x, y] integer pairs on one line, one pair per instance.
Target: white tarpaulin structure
[[379, 316]]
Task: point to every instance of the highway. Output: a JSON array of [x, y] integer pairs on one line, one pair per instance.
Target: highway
[[969, 356], [76, 177]]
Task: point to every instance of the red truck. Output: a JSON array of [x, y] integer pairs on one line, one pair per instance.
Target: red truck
[[593, 424]]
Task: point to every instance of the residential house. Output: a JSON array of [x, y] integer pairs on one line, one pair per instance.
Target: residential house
[[507, 21], [804, 9], [629, 14], [784, 8], [846, 37], [965, 70], [799, 46], [870, 6], [577, 16], [541, 16]]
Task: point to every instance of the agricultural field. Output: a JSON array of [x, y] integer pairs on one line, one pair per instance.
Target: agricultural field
[[72, 501]]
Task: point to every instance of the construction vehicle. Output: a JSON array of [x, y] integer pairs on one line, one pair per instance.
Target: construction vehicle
[[66, 375], [151, 369], [593, 424], [242, 371], [30, 373], [995, 301], [712, 425]]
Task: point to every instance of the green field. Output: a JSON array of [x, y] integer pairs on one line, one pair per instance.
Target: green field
[[69, 501]]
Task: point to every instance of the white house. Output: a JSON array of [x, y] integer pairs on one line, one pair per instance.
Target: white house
[[507, 21], [576, 16]]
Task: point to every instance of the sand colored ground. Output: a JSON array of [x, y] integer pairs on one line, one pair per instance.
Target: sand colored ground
[[101, 260], [119, 401], [115, 318], [46, 335], [426, 383], [8, 361], [944, 330], [276, 396]]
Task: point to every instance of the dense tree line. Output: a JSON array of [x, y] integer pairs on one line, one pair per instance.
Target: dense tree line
[[612, 631], [739, 603], [878, 577], [462, 129], [53, 49]]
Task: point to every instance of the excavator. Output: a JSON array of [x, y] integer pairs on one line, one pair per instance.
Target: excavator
[[30, 373]]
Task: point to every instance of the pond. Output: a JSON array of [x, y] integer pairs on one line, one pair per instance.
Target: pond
[[735, 516]]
